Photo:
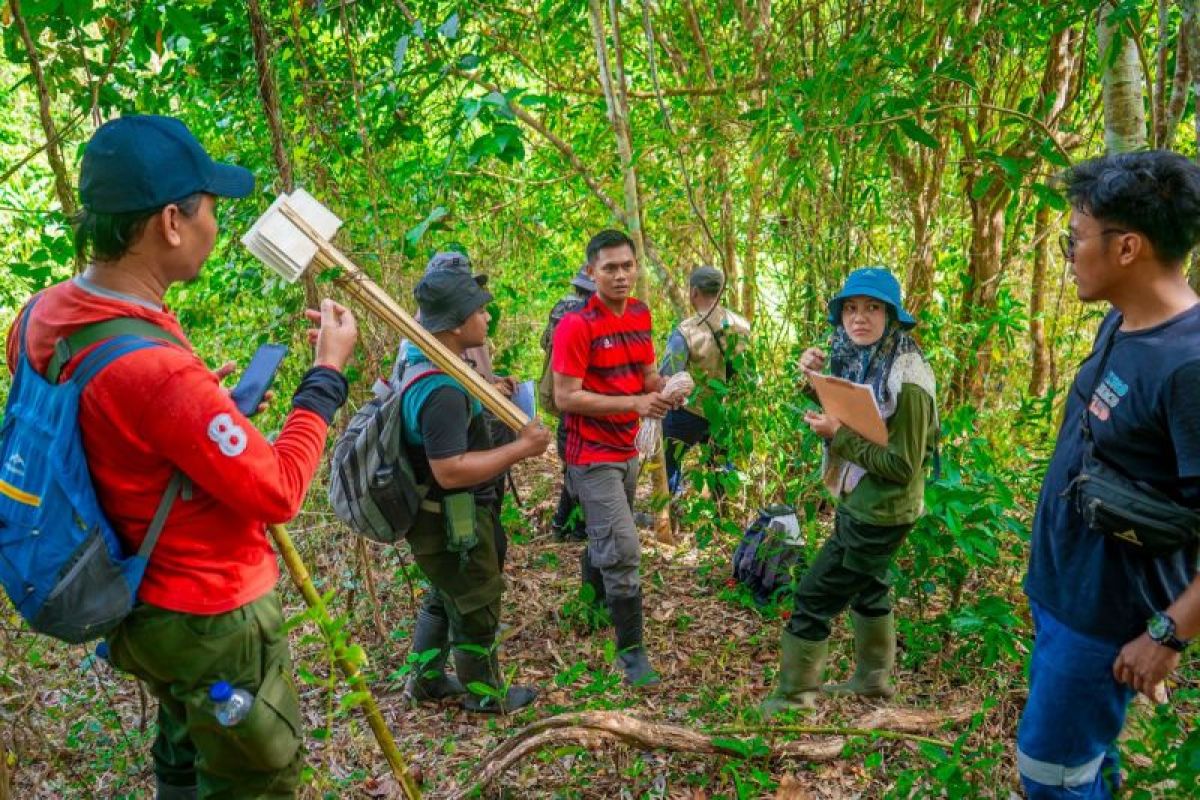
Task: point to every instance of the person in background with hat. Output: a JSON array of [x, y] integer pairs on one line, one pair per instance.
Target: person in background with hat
[[479, 358], [207, 608], [710, 345], [453, 538], [567, 522], [880, 493]]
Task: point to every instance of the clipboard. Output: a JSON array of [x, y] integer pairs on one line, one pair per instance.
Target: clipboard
[[852, 404]]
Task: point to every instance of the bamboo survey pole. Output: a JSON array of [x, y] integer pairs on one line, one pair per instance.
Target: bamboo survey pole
[[380, 303], [379, 728]]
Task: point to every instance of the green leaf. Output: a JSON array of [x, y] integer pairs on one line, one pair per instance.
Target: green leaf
[[415, 235], [484, 690], [353, 700], [37, 8], [184, 23], [1050, 197], [982, 185], [735, 745], [1049, 151], [918, 134], [76, 10]]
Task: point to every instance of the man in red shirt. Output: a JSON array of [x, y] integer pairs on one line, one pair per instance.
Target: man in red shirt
[[207, 609], [605, 381]]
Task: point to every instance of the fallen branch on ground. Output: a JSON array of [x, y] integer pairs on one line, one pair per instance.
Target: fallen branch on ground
[[591, 729]]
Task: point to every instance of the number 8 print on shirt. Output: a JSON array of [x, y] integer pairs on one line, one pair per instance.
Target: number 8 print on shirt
[[228, 435]]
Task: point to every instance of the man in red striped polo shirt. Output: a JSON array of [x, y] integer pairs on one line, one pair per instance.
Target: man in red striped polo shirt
[[605, 381]]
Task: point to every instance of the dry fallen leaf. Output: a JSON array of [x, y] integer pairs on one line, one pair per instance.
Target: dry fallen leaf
[[790, 789]]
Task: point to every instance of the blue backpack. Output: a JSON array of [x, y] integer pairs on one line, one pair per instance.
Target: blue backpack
[[61, 563]]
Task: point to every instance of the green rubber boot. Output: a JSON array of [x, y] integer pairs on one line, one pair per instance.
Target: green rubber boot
[[874, 657], [800, 668]]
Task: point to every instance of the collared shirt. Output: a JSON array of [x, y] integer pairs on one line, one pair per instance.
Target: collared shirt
[[610, 353]]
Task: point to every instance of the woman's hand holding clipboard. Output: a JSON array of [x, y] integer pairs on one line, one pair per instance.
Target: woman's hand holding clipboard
[[852, 404]]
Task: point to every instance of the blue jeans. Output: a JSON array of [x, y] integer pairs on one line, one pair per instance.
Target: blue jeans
[[1067, 738]]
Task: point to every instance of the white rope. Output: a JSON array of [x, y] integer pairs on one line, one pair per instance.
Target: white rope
[[649, 436]]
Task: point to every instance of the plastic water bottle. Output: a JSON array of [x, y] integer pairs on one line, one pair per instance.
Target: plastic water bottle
[[102, 650], [232, 705]]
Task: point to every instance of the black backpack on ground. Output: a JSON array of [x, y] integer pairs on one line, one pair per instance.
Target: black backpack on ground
[[770, 556]]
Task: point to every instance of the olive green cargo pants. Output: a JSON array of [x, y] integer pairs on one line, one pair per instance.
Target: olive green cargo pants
[[179, 657], [468, 585]]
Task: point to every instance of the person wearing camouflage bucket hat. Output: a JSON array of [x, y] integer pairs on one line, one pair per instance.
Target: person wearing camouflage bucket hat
[[450, 448], [453, 261]]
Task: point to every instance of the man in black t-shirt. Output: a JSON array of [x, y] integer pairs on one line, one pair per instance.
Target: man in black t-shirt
[[1111, 621], [453, 538]]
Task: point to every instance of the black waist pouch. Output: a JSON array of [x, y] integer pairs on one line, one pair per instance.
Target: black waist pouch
[[1132, 512]]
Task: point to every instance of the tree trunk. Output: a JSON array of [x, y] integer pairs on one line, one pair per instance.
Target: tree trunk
[[617, 102], [987, 247], [617, 111], [63, 186], [1124, 110], [1189, 33], [269, 93], [753, 226], [1039, 355], [1179, 82]]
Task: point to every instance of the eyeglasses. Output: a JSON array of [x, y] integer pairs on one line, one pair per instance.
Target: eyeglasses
[[1067, 241]]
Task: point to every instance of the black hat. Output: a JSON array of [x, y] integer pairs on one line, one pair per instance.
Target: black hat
[[447, 298], [453, 261], [708, 280], [142, 162], [582, 281]]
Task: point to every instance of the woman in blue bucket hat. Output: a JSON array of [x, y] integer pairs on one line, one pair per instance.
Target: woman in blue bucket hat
[[879, 491]]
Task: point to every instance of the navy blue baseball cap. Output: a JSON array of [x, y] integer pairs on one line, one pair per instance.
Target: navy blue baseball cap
[[144, 162], [877, 282]]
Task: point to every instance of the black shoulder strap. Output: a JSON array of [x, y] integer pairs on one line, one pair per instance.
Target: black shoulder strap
[[65, 349]]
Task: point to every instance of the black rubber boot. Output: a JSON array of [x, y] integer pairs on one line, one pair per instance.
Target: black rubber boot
[[591, 576], [429, 682], [475, 668], [165, 791], [631, 654], [567, 523]]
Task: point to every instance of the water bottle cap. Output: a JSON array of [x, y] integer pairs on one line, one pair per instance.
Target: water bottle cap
[[102, 650], [220, 692]]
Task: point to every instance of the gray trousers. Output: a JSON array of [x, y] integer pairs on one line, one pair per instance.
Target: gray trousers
[[606, 493]]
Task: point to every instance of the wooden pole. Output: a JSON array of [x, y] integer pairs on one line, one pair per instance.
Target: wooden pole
[[299, 573], [380, 303]]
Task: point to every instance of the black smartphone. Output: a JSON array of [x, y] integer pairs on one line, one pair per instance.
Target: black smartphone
[[257, 378]]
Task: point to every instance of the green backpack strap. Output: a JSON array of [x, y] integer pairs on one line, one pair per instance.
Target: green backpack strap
[[88, 335]]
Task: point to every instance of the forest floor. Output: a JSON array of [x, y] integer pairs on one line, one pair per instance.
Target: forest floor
[[81, 730]]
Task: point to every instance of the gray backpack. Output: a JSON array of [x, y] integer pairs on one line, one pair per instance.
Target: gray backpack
[[372, 486]]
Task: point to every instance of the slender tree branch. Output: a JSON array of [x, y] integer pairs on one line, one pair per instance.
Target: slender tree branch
[[62, 180]]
